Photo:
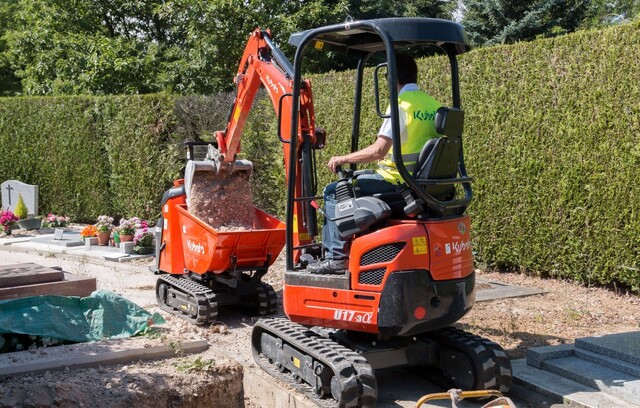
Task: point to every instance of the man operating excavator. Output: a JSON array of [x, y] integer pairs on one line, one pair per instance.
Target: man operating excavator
[[416, 120]]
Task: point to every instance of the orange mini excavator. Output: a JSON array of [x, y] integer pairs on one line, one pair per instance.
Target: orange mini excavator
[[410, 271]]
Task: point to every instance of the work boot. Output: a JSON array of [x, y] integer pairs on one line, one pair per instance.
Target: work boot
[[328, 266]]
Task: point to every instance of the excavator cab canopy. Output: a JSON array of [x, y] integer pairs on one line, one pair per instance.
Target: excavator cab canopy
[[443, 163], [402, 32]]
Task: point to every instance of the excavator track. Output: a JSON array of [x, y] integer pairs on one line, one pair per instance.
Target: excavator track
[[186, 299], [472, 362], [331, 375]]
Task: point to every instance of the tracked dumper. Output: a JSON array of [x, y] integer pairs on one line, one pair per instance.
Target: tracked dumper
[[201, 267]]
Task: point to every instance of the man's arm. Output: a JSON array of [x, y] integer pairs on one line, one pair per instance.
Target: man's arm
[[371, 153]]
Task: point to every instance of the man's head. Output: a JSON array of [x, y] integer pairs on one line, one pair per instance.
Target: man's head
[[407, 70]]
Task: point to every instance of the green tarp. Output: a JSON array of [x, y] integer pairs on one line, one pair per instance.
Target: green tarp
[[103, 315]]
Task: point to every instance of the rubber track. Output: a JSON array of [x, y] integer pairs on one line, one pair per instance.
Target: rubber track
[[205, 299], [267, 300], [503, 371], [356, 375], [489, 356]]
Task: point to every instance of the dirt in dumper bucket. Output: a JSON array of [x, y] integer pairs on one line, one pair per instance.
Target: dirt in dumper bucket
[[223, 200]]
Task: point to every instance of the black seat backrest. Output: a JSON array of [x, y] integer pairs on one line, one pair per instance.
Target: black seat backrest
[[439, 158]]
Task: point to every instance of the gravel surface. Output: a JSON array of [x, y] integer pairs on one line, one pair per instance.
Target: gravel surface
[[565, 312]]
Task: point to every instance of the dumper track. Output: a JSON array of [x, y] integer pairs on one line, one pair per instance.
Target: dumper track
[[353, 383], [187, 299]]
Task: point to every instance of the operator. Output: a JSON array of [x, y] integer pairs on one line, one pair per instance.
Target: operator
[[416, 119]]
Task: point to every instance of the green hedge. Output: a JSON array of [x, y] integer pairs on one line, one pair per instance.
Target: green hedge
[[552, 139]]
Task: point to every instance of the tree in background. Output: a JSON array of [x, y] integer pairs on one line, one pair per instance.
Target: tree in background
[[609, 12], [502, 21], [180, 46], [9, 83]]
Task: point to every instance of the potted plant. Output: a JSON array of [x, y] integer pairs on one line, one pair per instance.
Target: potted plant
[[26, 221], [127, 229], [103, 229], [7, 221], [143, 242], [55, 221], [89, 231]]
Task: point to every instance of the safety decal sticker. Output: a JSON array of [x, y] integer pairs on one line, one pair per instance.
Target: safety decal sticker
[[419, 245]]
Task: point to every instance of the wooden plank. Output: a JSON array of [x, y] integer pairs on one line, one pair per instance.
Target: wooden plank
[[71, 286], [27, 274], [112, 357]]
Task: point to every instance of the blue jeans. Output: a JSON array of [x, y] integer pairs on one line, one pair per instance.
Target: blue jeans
[[365, 185]]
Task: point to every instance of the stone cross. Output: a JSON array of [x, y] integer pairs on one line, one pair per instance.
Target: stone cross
[[10, 191]]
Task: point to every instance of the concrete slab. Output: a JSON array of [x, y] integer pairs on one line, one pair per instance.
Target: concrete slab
[[10, 241], [613, 382], [27, 274], [69, 239], [623, 346], [490, 290], [610, 362], [562, 390], [537, 355], [108, 355]]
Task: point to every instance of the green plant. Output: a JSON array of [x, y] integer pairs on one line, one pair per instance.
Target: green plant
[[198, 364], [21, 208]]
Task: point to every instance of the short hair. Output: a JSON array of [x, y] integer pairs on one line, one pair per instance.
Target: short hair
[[406, 69]]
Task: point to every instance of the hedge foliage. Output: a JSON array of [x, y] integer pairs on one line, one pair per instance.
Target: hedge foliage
[[552, 140]]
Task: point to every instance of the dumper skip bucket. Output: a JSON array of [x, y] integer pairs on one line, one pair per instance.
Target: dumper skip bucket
[[208, 250]]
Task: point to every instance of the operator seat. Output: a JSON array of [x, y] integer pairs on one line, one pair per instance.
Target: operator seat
[[439, 158]]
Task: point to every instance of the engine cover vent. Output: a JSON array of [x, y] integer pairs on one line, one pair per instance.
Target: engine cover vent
[[372, 277], [381, 254]]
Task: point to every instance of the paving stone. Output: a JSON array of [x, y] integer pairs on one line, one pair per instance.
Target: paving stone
[[499, 290], [602, 378], [623, 346], [537, 355], [611, 362], [563, 389]]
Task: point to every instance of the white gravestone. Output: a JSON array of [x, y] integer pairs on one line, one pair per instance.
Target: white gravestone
[[11, 189]]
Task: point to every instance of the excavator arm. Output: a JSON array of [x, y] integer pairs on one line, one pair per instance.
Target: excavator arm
[[264, 65]]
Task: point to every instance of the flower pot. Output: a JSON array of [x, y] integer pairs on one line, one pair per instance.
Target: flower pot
[[30, 223], [126, 238], [144, 250], [103, 238]]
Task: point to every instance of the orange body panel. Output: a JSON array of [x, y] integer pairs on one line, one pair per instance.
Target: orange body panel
[[441, 247], [341, 309], [171, 258], [208, 250]]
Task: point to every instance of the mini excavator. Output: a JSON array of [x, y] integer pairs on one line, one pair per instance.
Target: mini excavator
[[410, 270]]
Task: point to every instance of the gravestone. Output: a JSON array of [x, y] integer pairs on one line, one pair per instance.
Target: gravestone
[[10, 191]]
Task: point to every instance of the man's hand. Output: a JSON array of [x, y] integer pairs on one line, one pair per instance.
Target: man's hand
[[336, 161]]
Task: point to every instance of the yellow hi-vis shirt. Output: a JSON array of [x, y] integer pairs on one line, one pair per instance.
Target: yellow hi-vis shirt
[[417, 126]]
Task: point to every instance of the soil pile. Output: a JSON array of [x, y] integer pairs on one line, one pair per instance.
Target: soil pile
[[223, 200]]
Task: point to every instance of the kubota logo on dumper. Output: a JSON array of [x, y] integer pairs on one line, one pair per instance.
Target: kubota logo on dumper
[[195, 247]]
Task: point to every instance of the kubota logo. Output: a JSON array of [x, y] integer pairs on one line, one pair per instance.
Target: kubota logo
[[457, 247], [195, 247]]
